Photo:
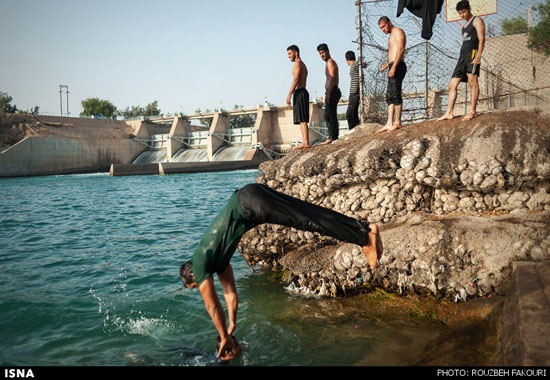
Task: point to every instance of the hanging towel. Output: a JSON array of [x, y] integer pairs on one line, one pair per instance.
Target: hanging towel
[[427, 10]]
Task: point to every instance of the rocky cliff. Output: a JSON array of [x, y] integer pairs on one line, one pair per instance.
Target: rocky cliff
[[456, 202]]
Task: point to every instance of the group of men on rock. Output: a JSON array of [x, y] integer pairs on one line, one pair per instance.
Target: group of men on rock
[[466, 70]]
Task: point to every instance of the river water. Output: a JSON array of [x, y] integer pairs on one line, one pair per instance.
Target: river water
[[90, 277]]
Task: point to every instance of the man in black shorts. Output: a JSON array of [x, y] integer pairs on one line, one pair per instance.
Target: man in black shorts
[[299, 93], [468, 66], [252, 205], [332, 94], [396, 73]]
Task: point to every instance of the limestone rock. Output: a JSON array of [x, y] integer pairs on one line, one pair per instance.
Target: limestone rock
[[456, 203]]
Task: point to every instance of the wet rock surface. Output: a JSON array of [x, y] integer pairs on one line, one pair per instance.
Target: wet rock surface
[[456, 202]]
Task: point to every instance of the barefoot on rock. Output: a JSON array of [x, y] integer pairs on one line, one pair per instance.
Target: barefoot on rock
[[302, 146], [469, 116], [373, 251], [389, 128]]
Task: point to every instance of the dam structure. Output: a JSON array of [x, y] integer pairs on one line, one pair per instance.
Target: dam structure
[[216, 141]]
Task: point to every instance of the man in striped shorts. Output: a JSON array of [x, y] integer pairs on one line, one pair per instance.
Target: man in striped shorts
[[352, 113]]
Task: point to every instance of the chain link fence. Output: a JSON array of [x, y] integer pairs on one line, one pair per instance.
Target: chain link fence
[[511, 74]]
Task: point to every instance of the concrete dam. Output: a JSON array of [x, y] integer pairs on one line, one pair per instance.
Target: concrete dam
[[215, 141]]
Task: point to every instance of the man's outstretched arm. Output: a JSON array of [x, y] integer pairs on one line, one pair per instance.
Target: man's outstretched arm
[[227, 279], [216, 312]]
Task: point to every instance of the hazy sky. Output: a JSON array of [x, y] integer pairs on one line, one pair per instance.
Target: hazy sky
[[185, 54]]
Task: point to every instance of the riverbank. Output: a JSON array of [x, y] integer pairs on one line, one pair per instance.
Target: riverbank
[[458, 204]]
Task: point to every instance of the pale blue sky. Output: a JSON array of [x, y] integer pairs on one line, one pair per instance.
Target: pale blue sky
[[185, 54]]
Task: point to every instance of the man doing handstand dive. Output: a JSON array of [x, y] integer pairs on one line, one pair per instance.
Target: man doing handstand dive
[[250, 206]]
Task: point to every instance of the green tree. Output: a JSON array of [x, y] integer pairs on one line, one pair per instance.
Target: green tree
[[516, 25], [135, 111], [152, 109], [241, 121], [5, 103], [96, 107], [204, 122], [539, 36], [33, 110]]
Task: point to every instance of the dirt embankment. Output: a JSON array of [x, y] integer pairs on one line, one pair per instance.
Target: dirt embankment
[[15, 127]]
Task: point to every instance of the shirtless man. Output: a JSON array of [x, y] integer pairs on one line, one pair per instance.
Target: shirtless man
[[396, 73], [467, 68], [252, 205], [301, 96], [332, 93]]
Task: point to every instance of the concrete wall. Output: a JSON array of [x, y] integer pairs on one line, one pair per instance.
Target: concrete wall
[[220, 124], [283, 130], [263, 127], [180, 128], [46, 155], [515, 67]]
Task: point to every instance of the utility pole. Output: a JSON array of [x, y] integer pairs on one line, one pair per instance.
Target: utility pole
[[361, 77], [61, 87], [61, 99]]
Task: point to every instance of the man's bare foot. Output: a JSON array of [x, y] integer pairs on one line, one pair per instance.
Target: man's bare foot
[[326, 142], [469, 116], [373, 251], [389, 128], [447, 116], [302, 146], [394, 127], [384, 128]]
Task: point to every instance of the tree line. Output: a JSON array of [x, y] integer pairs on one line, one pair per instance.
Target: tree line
[[91, 107], [103, 108], [539, 35], [7, 107]]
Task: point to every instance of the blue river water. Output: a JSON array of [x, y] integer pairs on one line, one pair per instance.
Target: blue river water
[[90, 277]]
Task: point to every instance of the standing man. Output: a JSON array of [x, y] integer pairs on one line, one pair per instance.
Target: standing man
[[468, 66], [301, 96], [352, 113], [252, 205], [397, 70], [332, 94]]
